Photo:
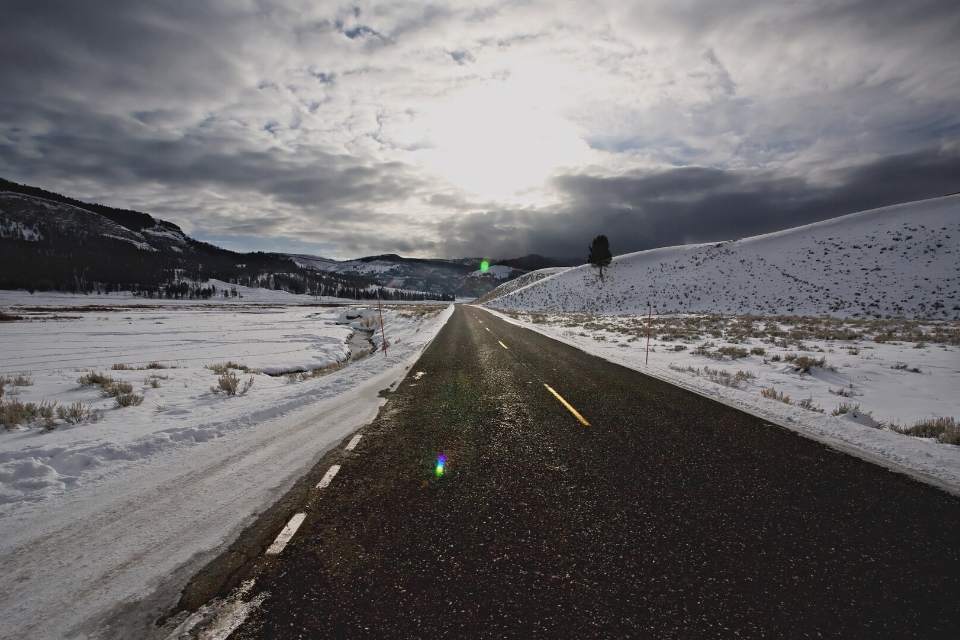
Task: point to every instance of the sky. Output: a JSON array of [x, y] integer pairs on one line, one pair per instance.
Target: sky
[[496, 129]]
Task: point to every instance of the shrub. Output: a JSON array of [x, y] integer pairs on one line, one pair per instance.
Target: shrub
[[74, 413], [224, 367], [844, 408], [944, 429], [115, 389], [9, 317], [94, 378], [733, 352], [758, 351], [22, 380], [128, 399], [773, 394], [807, 403], [775, 357], [229, 383], [120, 367], [803, 364], [679, 347], [14, 413], [156, 365], [46, 411]]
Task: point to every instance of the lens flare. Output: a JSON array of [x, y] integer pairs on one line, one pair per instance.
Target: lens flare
[[484, 266], [441, 465]]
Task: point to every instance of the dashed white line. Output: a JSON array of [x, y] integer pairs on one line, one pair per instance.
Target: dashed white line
[[353, 442], [328, 477], [286, 535], [488, 329]]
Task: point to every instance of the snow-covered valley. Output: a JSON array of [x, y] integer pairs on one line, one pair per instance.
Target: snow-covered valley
[[126, 502]]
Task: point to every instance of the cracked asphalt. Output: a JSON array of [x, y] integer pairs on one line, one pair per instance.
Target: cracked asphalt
[[670, 516]]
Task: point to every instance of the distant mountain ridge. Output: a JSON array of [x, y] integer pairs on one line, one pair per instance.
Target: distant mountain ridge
[[52, 242], [49, 241], [462, 276]]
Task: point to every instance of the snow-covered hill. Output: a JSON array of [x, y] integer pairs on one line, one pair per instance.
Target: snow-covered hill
[[520, 282], [902, 260]]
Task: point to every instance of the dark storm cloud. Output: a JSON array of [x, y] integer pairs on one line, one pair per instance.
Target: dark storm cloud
[[691, 204]]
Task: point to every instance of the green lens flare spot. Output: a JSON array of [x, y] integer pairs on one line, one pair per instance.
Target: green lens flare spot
[[484, 266]]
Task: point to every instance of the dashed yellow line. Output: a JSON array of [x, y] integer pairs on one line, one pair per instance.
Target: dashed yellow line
[[569, 407], [503, 345], [488, 329]]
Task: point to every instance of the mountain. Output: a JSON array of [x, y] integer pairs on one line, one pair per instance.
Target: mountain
[[462, 276], [52, 242], [897, 261]]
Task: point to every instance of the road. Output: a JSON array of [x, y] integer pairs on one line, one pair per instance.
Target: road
[[655, 513]]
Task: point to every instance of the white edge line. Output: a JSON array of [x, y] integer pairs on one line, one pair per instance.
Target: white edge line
[[328, 477], [354, 442], [851, 450], [286, 534]]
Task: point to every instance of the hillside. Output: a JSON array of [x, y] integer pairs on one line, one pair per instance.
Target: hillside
[[902, 260], [49, 242]]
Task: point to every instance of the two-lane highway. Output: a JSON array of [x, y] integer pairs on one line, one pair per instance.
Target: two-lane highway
[[518, 487]]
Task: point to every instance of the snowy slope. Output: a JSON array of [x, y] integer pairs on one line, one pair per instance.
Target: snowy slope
[[893, 261], [520, 282]]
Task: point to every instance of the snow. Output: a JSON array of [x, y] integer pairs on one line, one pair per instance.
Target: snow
[[143, 246], [96, 516], [18, 231], [870, 372], [902, 260], [495, 271], [13, 299]]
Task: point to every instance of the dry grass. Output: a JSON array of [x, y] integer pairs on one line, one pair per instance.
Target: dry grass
[[128, 399], [944, 429], [844, 408], [773, 394], [224, 367], [229, 383]]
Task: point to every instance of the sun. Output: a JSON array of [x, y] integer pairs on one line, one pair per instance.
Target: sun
[[499, 142]]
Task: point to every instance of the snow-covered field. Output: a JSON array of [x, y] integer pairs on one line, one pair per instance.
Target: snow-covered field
[[132, 500], [889, 374], [901, 261]]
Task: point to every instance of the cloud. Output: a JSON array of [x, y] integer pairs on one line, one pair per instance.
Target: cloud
[[286, 123], [644, 210]]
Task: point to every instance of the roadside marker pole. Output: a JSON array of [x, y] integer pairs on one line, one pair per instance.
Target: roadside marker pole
[[383, 334], [649, 314]]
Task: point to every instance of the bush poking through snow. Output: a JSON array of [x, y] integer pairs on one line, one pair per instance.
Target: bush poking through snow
[[773, 394], [74, 413], [803, 364], [115, 389], [120, 367], [156, 365], [224, 367], [229, 383], [844, 408], [945, 429], [13, 413], [94, 378], [128, 399], [807, 403]]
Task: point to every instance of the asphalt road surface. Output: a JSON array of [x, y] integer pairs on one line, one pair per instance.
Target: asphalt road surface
[[667, 516]]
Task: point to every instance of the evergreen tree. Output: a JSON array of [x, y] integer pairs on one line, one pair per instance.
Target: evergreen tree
[[600, 255]]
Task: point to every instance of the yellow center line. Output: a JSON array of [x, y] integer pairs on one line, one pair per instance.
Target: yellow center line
[[503, 345], [576, 414], [488, 329]]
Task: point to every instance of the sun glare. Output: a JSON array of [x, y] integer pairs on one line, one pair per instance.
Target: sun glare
[[498, 141]]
